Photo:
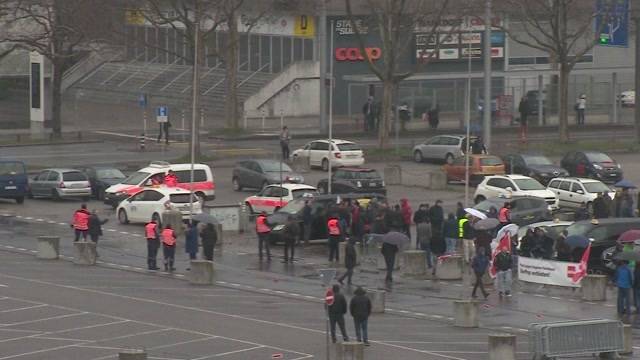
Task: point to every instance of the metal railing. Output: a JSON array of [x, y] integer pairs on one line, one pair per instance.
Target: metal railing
[[135, 73], [221, 81], [122, 67], [253, 74], [158, 74], [201, 78], [579, 337]]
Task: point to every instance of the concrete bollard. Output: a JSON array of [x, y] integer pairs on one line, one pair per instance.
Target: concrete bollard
[[377, 298], [343, 245], [173, 218], [84, 253], [48, 247], [201, 272], [350, 350], [627, 331], [465, 313], [438, 181], [8, 217], [300, 164], [132, 355], [450, 268], [415, 262], [502, 347], [594, 288], [393, 175]]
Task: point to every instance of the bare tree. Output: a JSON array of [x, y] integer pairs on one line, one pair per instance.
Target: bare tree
[[57, 29], [564, 29], [395, 22]]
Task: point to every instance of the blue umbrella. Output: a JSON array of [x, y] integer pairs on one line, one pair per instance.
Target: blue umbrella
[[576, 241], [625, 184]]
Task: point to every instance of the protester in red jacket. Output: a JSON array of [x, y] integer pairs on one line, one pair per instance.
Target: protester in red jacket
[[80, 222], [406, 211]]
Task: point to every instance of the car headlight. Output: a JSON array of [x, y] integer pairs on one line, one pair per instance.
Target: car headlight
[[597, 167], [121, 193], [358, 184]]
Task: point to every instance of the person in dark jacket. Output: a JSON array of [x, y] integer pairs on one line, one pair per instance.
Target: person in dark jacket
[[360, 309], [523, 109], [527, 243], [600, 207], [389, 252], [636, 288], [191, 241], [208, 237], [460, 213], [394, 220], [483, 239], [623, 280], [436, 216], [350, 261], [307, 221], [434, 117], [450, 231], [563, 250], [421, 219], [95, 227], [479, 264], [290, 234], [336, 314], [477, 147]]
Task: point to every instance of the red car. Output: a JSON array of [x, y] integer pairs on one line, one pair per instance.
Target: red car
[[479, 167]]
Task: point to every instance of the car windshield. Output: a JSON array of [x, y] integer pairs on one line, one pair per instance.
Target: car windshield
[[579, 228], [348, 147], [537, 160], [181, 198], [598, 157], [12, 168], [274, 166], [490, 161], [486, 205], [74, 176], [136, 178], [596, 187], [109, 174], [293, 207], [366, 175], [529, 184], [302, 192]]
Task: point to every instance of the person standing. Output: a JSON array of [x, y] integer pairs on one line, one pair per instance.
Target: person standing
[[335, 234], [368, 113], [423, 226], [171, 179], [263, 231], [405, 209], [290, 234], [581, 106], [360, 309], [434, 117], [523, 108], [504, 215], [356, 221], [209, 238], [389, 252], [600, 207], [285, 137], [503, 279], [563, 250], [336, 314], [479, 264], [94, 228], [164, 128], [350, 261], [307, 220], [405, 116], [169, 248], [460, 213], [636, 288], [80, 223], [626, 204], [477, 147], [450, 232], [623, 280], [191, 241], [152, 233]]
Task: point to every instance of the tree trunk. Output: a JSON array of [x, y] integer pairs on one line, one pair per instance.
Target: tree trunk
[[563, 114], [56, 100], [231, 103], [385, 120]]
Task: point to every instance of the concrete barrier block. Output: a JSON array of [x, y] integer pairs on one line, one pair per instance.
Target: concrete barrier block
[[420, 179], [393, 175], [132, 355], [377, 298], [173, 218], [594, 288], [84, 253], [220, 243], [415, 262], [201, 272], [628, 339], [465, 313], [438, 181], [450, 268], [300, 164], [48, 247], [343, 245], [502, 347], [350, 350]]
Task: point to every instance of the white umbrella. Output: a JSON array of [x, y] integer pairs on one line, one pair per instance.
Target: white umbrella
[[512, 229], [477, 213]]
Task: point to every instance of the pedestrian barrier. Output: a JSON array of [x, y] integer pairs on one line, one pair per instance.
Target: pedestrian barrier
[[84, 253], [132, 355], [502, 347], [594, 288], [201, 272], [628, 339], [450, 268], [393, 175], [8, 217], [350, 350], [579, 337], [377, 298], [48, 247], [415, 262], [465, 313]]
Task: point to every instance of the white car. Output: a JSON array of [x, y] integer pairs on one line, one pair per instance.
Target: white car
[[150, 203], [514, 185], [576, 192], [273, 196], [628, 98], [343, 153]]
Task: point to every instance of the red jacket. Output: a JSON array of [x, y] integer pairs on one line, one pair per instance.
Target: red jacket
[[171, 180], [405, 208], [81, 219]]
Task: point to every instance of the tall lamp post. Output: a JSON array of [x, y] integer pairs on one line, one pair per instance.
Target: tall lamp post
[[488, 105]]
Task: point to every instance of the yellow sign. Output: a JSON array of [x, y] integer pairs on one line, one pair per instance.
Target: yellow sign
[[304, 26], [134, 17]]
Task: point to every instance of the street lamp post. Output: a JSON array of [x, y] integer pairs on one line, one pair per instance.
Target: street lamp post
[[194, 113], [487, 75]]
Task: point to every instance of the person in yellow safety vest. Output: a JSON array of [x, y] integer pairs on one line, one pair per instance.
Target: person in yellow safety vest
[[153, 243], [335, 234], [461, 227], [169, 248], [465, 232], [263, 230]]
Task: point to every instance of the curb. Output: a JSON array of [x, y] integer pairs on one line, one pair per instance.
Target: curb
[[53, 143]]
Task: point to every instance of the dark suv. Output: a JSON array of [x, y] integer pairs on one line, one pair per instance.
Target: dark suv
[[592, 164], [533, 165], [353, 180]]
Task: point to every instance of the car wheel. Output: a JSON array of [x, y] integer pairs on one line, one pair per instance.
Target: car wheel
[[325, 165], [20, 200], [55, 195], [249, 208], [417, 156], [122, 217], [479, 199], [448, 159], [156, 217], [236, 185]]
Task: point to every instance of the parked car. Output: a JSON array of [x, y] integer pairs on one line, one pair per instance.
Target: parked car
[[277, 196], [354, 180], [150, 203], [536, 166], [592, 164], [479, 167], [575, 192], [514, 185], [343, 153], [14, 182], [203, 184], [441, 148], [60, 184], [101, 178], [525, 210], [628, 98], [553, 229], [257, 174], [603, 234]]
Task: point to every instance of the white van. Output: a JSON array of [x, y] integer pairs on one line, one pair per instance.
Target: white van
[[203, 184]]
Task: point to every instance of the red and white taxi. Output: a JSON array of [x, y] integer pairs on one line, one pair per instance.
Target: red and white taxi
[[277, 196], [203, 185]]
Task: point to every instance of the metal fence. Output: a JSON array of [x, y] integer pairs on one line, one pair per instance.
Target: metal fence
[[575, 337]]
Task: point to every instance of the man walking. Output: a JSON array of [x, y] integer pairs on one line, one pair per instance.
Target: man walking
[[152, 233], [350, 261], [94, 228], [450, 232], [389, 252], [336, 314], [164, 127], [523, 108], [360, 309], [263, 230], [80, 223], [284, 143], [209, 238], [503, 279], [335, 234], [479, 264]]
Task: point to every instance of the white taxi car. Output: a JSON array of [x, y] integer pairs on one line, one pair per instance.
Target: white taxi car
[[150, 203], [514, 185], [277, 196], [343, 153]]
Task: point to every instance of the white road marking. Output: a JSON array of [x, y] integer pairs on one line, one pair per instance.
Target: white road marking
[[23, 308], [44, 319], [3, 285]]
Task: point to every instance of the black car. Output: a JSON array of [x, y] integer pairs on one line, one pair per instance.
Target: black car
[[536, 166], [101, 177], [258, 174], [525, 210], [353, 180], [603, 234], [592, 164], [320, 207]]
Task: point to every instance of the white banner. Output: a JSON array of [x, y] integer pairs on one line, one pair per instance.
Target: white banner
[[547, 272]]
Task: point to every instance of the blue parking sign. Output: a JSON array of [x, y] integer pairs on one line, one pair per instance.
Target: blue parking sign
[[162, 114]]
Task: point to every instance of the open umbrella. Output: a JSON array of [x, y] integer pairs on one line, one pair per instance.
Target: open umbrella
[[625, 184], [577, 241], [394, 238], [627, 256], [629, 236], [511, 229], [477, 213], [486, 224], [205, 219]]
